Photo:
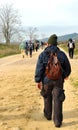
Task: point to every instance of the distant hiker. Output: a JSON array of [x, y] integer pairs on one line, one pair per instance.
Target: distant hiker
[[30, 48], [36, 44], [22, 48], [50, 81], [71, 47], [26, 48], [42, 44]]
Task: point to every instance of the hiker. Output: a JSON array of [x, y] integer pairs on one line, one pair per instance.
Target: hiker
[[22, 47], [52, 90], [71, 47], [36, 44], [30, 48], [42, 44], [26, 48]]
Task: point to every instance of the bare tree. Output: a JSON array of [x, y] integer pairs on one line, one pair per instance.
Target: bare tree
[[9, 22], [32, 33], [43, 36]]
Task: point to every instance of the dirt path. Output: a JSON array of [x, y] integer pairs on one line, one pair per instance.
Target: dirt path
[[21, 106]]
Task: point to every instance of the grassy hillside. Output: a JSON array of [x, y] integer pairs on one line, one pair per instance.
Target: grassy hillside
[[6, 50]]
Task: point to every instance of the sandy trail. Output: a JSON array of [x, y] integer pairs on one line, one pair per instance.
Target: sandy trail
[[21, 106]]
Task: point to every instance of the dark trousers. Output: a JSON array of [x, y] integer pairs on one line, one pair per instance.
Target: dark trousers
[[26, 51], [52, 102], [30, 52], [71, 52]]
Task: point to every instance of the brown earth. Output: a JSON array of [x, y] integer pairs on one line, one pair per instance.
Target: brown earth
[[21, 106]]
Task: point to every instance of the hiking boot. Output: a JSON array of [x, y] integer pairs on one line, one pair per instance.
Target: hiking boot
[[58, 124], [47, 117]]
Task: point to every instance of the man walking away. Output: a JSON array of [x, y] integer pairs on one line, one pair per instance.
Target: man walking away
[[71, 47], [52, 90], [22, 49], [30, 48], [26, 48]]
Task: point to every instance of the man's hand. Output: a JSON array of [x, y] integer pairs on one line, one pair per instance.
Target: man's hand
[[39, 85], [66, 78]]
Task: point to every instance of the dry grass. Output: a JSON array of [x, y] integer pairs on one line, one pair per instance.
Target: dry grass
[[6, 50]]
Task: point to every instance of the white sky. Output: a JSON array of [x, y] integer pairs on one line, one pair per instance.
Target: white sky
[[46, 12]]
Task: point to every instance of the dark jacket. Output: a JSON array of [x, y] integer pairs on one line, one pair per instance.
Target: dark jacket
[[42, 62]]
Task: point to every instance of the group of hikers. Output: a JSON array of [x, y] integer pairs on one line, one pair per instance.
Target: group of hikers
[[52, 70], [27, 48]]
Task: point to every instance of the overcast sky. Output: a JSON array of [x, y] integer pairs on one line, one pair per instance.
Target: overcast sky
[[46, 12]]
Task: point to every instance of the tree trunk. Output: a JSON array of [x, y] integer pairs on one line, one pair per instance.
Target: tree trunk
[[7, 42]]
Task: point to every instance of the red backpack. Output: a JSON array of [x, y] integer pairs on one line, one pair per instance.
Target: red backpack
[[53, 68]]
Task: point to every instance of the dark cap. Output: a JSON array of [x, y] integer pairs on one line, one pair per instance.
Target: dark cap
[[52, 39], [70, 40]]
